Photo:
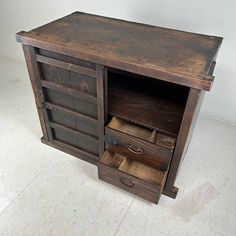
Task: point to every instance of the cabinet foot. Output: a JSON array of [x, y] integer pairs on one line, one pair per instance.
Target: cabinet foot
[[171, 193]]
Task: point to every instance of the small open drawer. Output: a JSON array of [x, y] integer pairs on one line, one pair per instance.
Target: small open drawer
[[145, 145], [132, 176]]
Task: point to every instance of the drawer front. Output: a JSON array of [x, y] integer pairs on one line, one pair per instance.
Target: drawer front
[[145, 152], [129, 183]]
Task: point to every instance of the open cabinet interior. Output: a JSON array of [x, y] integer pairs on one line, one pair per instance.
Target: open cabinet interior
[[151, 103]]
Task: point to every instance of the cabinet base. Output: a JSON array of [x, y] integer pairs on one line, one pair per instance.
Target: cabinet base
[[73, 151]]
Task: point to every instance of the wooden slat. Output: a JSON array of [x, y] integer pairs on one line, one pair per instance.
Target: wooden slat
[[69, 91], [30, 57], [66, 65], [100, 76], [76, 132], [86, 156], [70, 112]]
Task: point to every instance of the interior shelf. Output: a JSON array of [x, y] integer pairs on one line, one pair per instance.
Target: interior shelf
[[152, 103]]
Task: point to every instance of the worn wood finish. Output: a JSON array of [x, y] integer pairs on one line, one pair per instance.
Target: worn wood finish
[[142, 133], [147, 102], [136, 148], [69, 91], [132, 176], [77, 122], [71, 103], [75, 151], [70, 112], [121, 95], [82, 83], [191, 111], [75, 139], [92, 139], [30, 58], [66, 66], [100, 78], [66, 58], [182, 57]]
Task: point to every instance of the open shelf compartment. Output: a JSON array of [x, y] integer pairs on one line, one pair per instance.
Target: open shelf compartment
[[152, 103]]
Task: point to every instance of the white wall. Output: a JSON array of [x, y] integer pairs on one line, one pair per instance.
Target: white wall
[[215, 17]]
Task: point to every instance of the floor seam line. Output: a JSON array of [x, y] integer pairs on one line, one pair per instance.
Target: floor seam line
[[122, 218]]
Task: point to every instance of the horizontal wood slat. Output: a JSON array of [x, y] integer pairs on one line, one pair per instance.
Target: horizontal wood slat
[[66, 65], [51, 106], [87, 156], [76, 132], [69, 91]]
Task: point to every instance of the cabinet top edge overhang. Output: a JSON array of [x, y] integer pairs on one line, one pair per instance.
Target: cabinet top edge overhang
[[171, 55]]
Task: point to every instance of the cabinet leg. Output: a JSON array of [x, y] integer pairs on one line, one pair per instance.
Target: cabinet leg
[[171, 193]]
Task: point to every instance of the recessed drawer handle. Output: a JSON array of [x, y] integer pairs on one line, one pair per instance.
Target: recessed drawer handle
[[135, 150], [127, 182]]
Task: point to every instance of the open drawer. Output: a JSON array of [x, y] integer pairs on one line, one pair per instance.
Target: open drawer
[[143, 144], [131, 175]]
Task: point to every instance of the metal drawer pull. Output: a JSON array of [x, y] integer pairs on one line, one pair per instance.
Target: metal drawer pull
[[134, 149], [127, 182]]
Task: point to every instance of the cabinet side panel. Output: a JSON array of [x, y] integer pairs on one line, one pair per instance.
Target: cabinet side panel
[[189, 118]]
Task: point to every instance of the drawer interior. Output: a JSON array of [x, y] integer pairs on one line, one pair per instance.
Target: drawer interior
[[146, 134], [134, 168]]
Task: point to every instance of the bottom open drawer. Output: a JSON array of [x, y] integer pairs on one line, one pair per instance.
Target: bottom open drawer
[[132, 176]]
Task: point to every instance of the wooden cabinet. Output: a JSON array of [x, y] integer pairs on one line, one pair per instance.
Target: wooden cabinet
[[121, 95]]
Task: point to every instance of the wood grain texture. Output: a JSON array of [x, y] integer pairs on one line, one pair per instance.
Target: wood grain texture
[[138, 149], [82, 83], [81, 154], [84, 69], [73, 121], [75, 139], [34, 74], [175, 56], [70, 112], [66, 58], [71, 103], [69, 91], [188, 122], [83, 135], [142, 133], [151, 103], [67, 66], [100, 82], [132, 176]]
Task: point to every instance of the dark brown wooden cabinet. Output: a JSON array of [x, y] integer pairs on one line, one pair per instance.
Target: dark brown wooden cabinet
[[121, 95]]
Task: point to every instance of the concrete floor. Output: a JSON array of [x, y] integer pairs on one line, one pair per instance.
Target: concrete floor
[[46, 192]]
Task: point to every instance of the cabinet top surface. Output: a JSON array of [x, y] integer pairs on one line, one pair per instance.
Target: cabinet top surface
[[176, 56]]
